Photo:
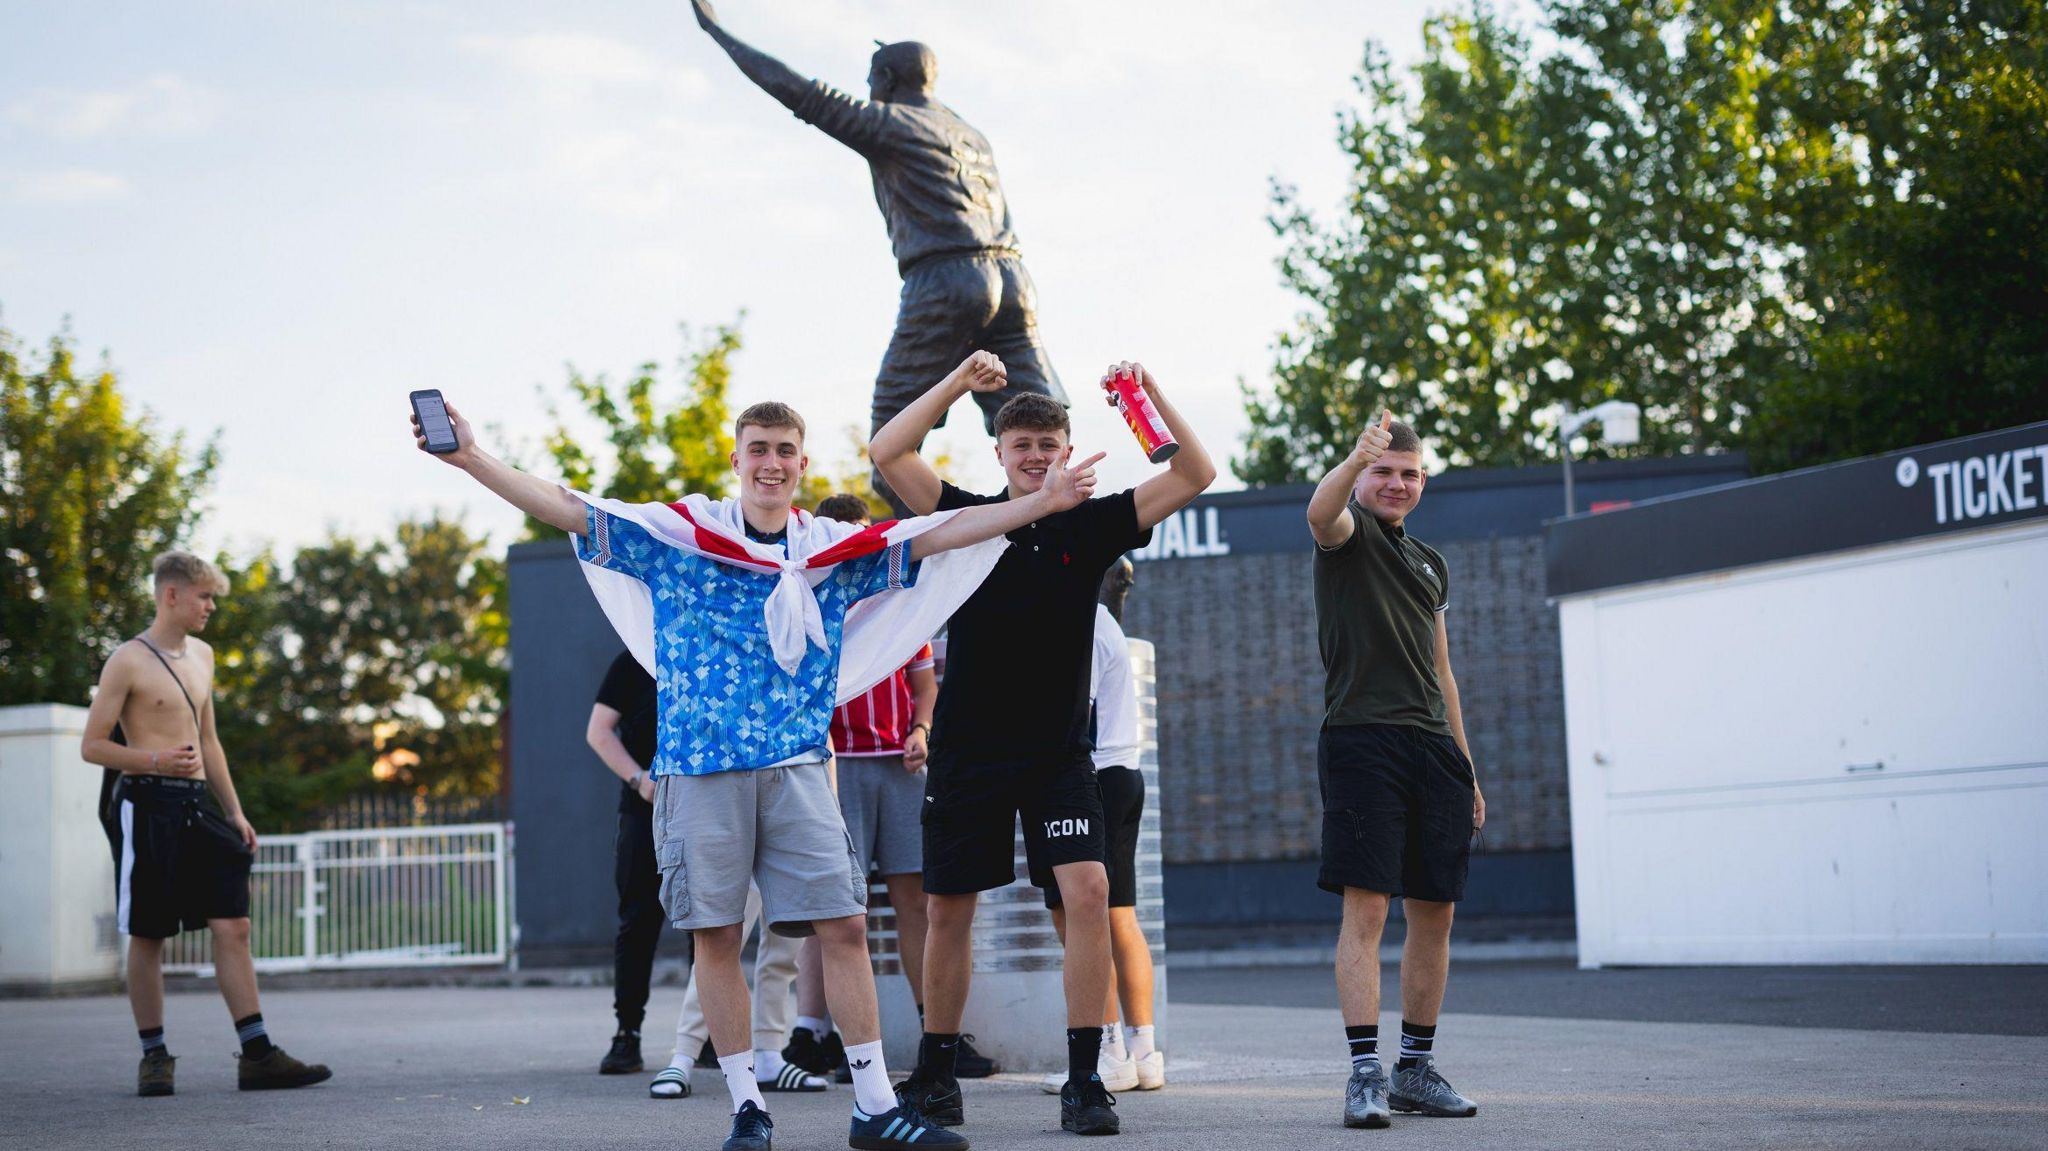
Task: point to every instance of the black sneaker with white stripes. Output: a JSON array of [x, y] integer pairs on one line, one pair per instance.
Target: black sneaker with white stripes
[[819, 1055], [793, 1078], [900, 1126]]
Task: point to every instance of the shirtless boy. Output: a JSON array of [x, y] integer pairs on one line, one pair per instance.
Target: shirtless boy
[[180, 864]]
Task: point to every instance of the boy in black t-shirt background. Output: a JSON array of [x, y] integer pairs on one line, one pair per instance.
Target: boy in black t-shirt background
[[1400, 798], [1010, 733], [621, 732]]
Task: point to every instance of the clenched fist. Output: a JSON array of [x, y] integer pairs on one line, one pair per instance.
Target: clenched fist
[[983, 372]]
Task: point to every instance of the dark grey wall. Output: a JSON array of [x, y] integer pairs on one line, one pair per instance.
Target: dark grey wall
[[1240, 700], [564, 801], [1241, 686]]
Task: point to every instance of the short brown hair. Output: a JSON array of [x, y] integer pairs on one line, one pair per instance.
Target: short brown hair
[[1033, 413], [1402, 438], [187, 570], [844, 507], [768, 414]]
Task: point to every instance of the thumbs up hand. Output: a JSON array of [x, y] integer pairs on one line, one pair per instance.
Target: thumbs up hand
[[1373, 441]]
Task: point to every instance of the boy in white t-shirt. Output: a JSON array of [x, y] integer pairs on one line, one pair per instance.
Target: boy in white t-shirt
[[1128, 1061]]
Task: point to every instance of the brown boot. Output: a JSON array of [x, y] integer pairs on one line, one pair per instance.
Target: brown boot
[[277, 1070], [155, 1076]]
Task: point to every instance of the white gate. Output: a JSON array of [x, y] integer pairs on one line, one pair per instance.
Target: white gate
[[382, 897]]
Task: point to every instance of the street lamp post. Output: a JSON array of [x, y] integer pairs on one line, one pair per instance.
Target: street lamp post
[[1620, 424]]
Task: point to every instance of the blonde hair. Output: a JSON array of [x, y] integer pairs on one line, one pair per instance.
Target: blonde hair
[[187, 570]]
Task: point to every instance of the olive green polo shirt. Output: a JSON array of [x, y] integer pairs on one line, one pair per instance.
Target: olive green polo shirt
[[1377, 598]]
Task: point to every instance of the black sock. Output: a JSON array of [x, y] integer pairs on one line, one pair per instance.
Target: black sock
[[152, 1040], [935, 1054], [1417, 1040], [1084, 1047], [255, 1041], [1365, 1044]]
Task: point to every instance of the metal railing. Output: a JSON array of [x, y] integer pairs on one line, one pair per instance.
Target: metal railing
[[380, 897]]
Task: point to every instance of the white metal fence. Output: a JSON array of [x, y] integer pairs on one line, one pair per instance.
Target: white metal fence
[[382, 897]]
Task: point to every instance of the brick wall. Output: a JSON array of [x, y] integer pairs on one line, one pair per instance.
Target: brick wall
[[1241, 695]]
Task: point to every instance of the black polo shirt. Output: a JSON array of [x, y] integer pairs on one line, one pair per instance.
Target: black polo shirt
[[1018, 651]]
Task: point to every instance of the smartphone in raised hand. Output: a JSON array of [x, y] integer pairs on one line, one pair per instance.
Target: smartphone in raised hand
[[432, 413]]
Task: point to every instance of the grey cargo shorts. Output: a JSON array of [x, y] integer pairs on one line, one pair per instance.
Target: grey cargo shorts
[[779, 827]]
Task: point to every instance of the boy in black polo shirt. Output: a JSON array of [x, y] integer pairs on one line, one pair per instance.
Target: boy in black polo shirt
[[1010, 735], [1400, 802]]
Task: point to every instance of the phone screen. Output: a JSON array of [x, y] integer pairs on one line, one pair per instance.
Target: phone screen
[[434, 422]]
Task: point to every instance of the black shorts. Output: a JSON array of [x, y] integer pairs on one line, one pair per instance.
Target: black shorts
[[1123, 809], [952, 306], [971, 809], [1397, 811], [177, 862]]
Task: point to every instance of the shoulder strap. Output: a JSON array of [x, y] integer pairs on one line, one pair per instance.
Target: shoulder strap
[[182, 690]]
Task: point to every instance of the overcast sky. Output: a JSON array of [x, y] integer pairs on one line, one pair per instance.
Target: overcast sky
[[280, 218]]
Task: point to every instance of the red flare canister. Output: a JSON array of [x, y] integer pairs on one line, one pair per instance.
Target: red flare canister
[[1128, 396]]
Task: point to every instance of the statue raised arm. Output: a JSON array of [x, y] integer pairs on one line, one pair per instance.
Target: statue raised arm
[[964, 283]]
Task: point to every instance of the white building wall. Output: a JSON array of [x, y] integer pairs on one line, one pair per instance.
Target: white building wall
[[56, 873], [1839, 759]]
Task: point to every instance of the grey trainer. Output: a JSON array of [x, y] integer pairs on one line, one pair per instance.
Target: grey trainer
[[1421, 1089], [1365, 1097]]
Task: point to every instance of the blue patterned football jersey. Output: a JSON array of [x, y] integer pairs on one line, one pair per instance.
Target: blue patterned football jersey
[[725, 704]]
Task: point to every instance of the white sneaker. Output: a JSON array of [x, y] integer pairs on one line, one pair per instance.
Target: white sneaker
[[1117, 1075], [1151, 1070]]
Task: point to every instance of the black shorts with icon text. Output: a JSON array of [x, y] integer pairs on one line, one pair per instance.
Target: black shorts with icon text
[[1397, 811], [971, 808]]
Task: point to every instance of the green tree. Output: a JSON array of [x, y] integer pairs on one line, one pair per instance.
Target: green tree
[[1767, 223], [657, 450], [363, 664], [1924, 268], [660, 452], [90, 492]]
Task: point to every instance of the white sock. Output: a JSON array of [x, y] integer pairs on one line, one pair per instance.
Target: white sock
[[1113, 1041], [767, 1065], [739, 1079], [820, 1025], [1141, 1041], [871, 1090]]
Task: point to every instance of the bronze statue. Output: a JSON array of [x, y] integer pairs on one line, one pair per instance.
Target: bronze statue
[[964, 283]]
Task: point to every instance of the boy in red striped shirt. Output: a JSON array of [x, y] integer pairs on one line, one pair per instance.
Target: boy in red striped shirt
[[879, 742]]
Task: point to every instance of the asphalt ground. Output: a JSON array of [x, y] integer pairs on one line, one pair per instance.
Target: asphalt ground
[[1968, 1000], [1255, 1059]]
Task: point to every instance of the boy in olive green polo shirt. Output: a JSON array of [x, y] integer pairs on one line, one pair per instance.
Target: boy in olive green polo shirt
[[1400, 801]]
